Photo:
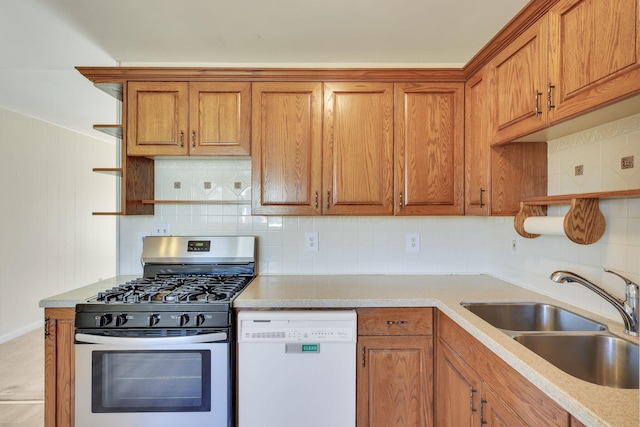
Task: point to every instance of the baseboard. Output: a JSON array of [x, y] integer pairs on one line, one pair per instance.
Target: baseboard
[[21, 331]]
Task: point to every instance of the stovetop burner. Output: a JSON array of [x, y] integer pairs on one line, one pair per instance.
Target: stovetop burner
[[187, 282], [196, 288]]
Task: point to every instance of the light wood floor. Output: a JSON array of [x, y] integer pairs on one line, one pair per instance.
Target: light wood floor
[[21, 414], [21, 368]]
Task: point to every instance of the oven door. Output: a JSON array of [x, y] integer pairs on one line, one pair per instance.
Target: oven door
[[155, 381]]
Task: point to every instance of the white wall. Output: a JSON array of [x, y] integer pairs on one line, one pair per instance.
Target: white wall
[[375, 245], [49, 240]]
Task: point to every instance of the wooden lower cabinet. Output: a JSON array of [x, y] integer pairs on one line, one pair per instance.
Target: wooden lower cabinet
[[475, 387], [395, 367], [59, 369]]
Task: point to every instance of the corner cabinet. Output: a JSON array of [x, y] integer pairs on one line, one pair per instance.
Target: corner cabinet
[[518, 78], [475, 387], [188, 118], [59, 367], [594, 54], [394, 373], [429, 149], [496, 178], [579, 56]]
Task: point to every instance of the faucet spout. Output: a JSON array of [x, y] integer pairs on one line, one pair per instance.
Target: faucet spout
[[627, 308]]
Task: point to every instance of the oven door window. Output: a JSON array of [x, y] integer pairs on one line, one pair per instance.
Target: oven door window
[[151, 381]]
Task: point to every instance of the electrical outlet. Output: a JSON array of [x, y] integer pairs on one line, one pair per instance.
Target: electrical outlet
[[515, 245], [413, 242], [161, 229], [311, 241]]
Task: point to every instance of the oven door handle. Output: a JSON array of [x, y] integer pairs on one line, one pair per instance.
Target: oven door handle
[[150, 342]]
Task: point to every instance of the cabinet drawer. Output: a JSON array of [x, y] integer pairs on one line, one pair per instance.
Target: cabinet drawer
[[395, 321]]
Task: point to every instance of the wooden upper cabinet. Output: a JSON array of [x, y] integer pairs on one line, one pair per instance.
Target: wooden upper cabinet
[[358, 149], [429, 149], [518, 86], [219, 118], [286, 148], [157, 118], [594, 54], [477, 148], [182, 118]]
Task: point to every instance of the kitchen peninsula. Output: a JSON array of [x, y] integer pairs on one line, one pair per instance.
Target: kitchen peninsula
[[589, 404]]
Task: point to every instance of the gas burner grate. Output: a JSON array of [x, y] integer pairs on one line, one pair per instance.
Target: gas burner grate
[[168, 288]]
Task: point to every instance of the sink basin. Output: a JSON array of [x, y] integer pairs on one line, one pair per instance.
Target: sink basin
[[535, 317], [600, 359]]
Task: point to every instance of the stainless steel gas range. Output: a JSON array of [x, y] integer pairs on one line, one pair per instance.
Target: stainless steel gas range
[[160, 350]]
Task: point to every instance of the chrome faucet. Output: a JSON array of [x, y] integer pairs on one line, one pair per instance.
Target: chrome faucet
[[628, 308]]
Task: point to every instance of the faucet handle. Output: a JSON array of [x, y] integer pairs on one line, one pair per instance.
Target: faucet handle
[[626, 281]]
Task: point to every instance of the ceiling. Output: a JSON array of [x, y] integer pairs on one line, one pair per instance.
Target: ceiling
[[38, 78]]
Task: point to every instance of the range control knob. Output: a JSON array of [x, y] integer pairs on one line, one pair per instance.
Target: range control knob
[[182, 319], [152, 320], [121, 319], [199, 319], [103, 320]]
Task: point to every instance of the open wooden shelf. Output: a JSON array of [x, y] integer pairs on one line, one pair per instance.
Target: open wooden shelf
[[566, 198], [109, 171], [583, 224], [113, 130], [196, 202]]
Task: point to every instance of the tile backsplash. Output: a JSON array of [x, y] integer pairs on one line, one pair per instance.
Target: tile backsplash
[[448, 245]]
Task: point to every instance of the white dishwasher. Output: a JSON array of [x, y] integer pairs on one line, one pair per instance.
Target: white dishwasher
[[297, 368]]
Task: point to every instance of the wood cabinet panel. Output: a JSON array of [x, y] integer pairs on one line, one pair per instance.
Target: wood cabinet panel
[[395, 381], [395, 321], [518, 170], [59, 367], [524, 399], [429, 149], [457, 391], [518, 83], [287, 148], [594, 54], [477, 152], [180, 118], [496, 413], [219, 117], [157, 118], [358, 148]]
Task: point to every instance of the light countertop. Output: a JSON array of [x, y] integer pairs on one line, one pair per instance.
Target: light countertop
[[593, 405]]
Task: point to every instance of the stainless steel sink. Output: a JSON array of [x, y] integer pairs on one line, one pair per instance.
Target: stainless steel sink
[[600, 359], [531, 317]]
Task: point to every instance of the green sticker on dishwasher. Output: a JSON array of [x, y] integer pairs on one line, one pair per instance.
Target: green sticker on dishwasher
[[310, 348]]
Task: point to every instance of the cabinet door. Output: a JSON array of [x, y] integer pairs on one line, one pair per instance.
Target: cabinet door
[[219, 116], [59, 368], [496, 413], [594, 54], [358, 149], [395, 381], [429, 149], [476, 146], [287, 148], [518, 85], [457, 391], [157, 118]]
